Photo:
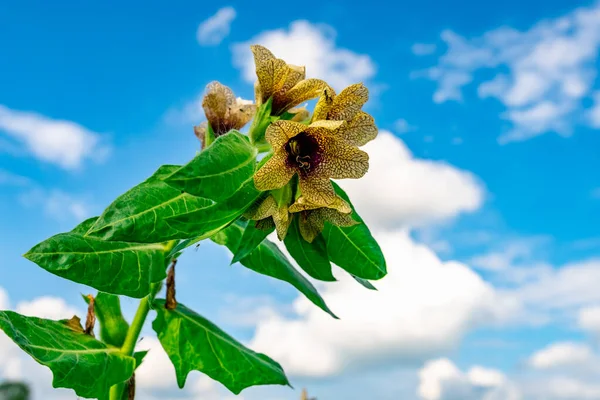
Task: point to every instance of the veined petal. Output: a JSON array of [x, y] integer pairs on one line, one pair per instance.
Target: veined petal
[[300, 114], [261, 54], [294, 75], [215, 103], [340, 160], [279, 132], [324, 104], [349, 102], [275, 173], [282, 220], [360, 130], [271, 76], [324, 127], [262, 210], [304, 205], [303, 91], [310, 225], [265, 224], [317, 190], [337, 218], [200, 132]]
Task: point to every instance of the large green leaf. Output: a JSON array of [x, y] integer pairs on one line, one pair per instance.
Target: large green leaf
[[311, 257], [194, 343], [251, 238], [353, 248], [77, 361], [14, 391], [219, 170], [139, 214], [113, 326], [112, 267], [267, 259], [203, 223]]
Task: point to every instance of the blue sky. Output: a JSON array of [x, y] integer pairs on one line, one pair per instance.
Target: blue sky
[[486, 191]]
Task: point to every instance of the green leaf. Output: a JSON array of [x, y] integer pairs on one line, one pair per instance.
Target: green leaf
[[194, 343], [111, 267], [353, 248], [268, 260], [139, 214], [113, 326], [14, 391], [311, 257], [204, 223], [77, 361], [139, 357], [251, 238], [219, 170], [262, 119], [364, 282]]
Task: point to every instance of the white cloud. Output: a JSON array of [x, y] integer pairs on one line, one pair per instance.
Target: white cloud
[[589, 319], [59, 142], [402, 126], [440, 379], [423, 49], [562, 354], [57, 204], [401, 190], [47, 307], [212, 31], [312, 45], [550, 68], [429, 315]]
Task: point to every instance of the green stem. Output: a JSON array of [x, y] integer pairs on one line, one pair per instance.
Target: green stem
[[116, 391]]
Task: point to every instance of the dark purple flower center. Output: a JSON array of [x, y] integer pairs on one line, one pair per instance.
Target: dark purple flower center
[[303, 153]]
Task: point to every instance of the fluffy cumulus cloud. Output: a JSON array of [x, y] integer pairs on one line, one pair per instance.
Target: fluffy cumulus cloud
[[562, 354], [441, 379], [588, 319], [312, 45], [400, 190], [64, 143], [216, 28], [543, 73]]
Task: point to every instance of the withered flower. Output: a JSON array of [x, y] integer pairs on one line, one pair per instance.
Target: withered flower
[[268, 213], [223, 111], [285, 83], [360, 128], [316, 153]]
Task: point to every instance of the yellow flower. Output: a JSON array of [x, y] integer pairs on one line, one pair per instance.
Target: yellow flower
[[360, 128], [312, 218], [315, 153], [267, 213], [223, 111], [285, 83]]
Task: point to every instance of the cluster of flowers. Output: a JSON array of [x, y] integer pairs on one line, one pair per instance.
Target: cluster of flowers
[[305, 152]]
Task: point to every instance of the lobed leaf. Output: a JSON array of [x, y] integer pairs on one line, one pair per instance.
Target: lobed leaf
[[219, 170], [194, 343], [139, 214], [268, 260], [353, 248], [112, 267], [77, 361]]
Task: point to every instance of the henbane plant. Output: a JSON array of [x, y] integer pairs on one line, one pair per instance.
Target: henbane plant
[[236, 191]]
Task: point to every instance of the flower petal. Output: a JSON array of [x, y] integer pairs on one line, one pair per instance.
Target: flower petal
[[279, 132], [340, 160], [282, 221], [360, 130], [216, 102], [349, 102], [274, 174], [262, 210], [294, 75], [303, 205], [337, 218], [303, 91], [265, 224], [271, 76], [310, 225], [200, 132], [324, 104], [317, 190]]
